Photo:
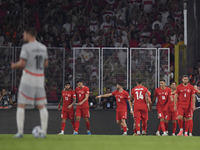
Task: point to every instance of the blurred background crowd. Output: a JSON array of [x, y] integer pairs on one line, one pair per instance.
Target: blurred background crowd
[[93, 23]]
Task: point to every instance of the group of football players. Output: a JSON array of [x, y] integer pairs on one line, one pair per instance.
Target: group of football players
[[173, 103]]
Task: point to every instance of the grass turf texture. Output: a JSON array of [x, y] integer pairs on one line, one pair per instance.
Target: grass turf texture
[[98, 142]]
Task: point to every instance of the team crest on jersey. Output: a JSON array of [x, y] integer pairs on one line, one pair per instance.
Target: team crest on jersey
[[188, 90], [166, 93]]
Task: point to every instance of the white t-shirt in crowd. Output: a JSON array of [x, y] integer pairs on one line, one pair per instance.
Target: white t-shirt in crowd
[[68, 27], [164, 17], [144, 34], [173, 39], [86, 55], [122, 57], [93, 26], [105, 26], [148, 4], [154, 46], [161, 25]]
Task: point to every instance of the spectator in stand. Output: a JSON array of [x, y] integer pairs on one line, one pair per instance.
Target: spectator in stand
[[176, 12], [94, 23], [92, 100], [107, 102], [147, 5], [135, 41], [86, 54], [107, 24], [164, 11], [194, 78], [50, 23], [158, 21], [87, 41], [157, 33], [153, 15], [144, 32], [181, 39], [172, 35], [59, 24], [69, 26], [170, 23], [143, 20], [154, 44], [167, 44], [76, 40], [144, 43]]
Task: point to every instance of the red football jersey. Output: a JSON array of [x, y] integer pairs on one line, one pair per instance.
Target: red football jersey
[[171, 104], [68, 99], [163, 97], [121, 99], [185, 95], [139, 97], [81, 92]]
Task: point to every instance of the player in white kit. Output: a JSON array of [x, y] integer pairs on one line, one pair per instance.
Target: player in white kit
[[33, 60]]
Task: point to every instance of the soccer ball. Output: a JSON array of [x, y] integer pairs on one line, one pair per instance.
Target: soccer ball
[[37, 131]]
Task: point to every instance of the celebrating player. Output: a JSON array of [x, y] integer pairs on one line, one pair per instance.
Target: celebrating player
[[172, 115], [82, 109], [121, 112], [69, 97], [33, 60], [163, 94], [185, 93], [140, 95]]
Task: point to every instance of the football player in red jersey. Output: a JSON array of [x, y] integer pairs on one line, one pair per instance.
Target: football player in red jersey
[[69, 99], [163, 94], [121, 112], [172, 115], [185, 93], [141, 99], [82, 109]]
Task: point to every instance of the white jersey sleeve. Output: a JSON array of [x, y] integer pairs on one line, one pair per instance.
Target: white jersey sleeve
[[23, 53]]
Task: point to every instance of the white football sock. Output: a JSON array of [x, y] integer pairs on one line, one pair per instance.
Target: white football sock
[[20, 119], [44, 119]]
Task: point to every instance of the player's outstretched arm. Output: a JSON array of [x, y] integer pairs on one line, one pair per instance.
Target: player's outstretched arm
[[105, 95], [20, 64]]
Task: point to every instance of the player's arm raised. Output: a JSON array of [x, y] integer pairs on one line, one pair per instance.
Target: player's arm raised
[[61, 100], [175, 101], [105, 95], [20, 64]]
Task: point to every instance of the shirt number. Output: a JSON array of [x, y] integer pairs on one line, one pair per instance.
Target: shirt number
[[66, 98], [163, 97], [139, 96], [79, 95], [118, 100], [185, 95]]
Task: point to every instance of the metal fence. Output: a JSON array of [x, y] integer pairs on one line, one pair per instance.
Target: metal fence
[[143, 65], [98, 67], [115, 66], [164, 65]]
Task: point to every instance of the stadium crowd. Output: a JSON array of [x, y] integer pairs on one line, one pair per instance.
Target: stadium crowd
[[93, 23]]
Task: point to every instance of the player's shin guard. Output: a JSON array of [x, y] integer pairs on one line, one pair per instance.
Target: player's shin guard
[[186, 126], [44, 119], [162, 125], [87, 125], [190, 126], [20, 120], [174, 127], [77, 123], [63, 126], [137, 125], [180, 124], [73, 124]]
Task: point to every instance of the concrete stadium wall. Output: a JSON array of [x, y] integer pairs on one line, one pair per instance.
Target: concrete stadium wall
[[101, 122]]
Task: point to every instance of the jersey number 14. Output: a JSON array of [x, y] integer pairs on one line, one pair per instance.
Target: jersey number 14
[[139, 95]]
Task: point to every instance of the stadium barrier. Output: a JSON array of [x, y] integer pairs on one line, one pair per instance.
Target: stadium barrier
[[101, 122]]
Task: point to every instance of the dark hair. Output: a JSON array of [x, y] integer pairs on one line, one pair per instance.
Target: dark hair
[[67, 82], [31, 30], [79, 81], [108, 88], [139, 81], [185, 76], [162, 80], [173, 82]]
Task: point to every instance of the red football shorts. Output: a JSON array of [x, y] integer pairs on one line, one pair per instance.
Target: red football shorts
[[67, 114], [172, 115], [121, 115], [185, 112], [141, 113], [82, 112], [162, 114]]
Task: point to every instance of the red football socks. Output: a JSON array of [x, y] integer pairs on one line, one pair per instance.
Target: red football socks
[[166, 126], [135, 131], [186, 126], [190, 126], [162, 125], [180, 124], [137, 124], [174, 127], [63, 126], [72, 122], [87, 125], [159, 128], [125, 129], [144, 125], [77, 123]]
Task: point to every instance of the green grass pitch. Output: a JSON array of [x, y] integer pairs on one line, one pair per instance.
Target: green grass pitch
[[99, 142]]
